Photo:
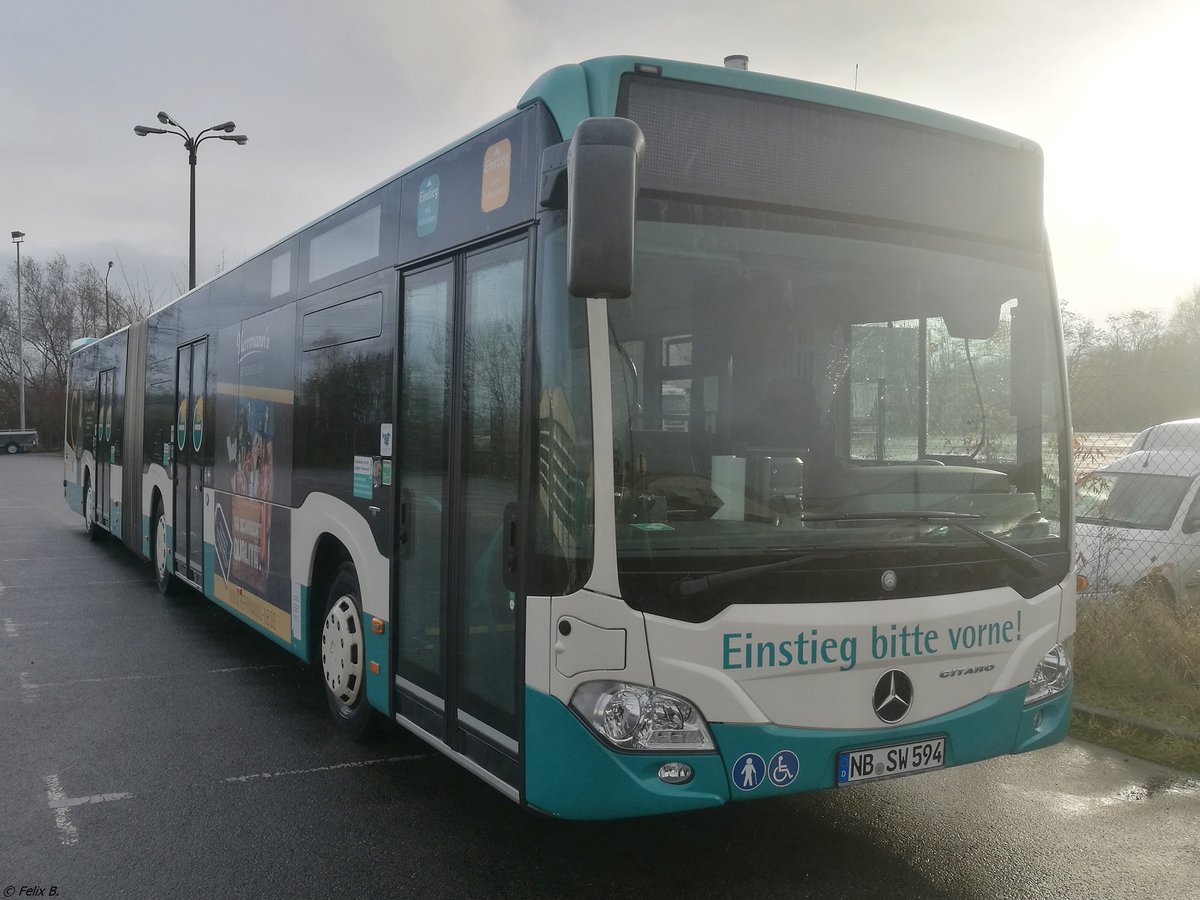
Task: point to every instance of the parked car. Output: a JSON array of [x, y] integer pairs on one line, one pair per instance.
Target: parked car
[[18, 441], [1182, 434], [1138, 525]]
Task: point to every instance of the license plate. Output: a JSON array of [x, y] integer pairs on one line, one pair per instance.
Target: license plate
[[854, 766]]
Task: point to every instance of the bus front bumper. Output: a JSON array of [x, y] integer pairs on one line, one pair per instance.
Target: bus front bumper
[[570, 773]]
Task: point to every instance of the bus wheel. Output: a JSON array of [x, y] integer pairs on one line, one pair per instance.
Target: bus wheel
[[12, 447], [343, 654], [90, 528], [162, 552]]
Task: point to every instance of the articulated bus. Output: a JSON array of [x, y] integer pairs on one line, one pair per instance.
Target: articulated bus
[[685, 435]]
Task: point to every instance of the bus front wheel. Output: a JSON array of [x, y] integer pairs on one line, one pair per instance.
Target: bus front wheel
[[343, 654]]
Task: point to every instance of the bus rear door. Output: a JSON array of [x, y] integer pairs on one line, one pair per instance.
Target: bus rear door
[[191, 377], [104, 446]]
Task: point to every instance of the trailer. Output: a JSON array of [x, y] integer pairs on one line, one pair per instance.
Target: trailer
[[14, 441]]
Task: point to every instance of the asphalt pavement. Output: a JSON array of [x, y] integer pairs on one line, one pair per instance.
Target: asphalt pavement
[[156, 747]]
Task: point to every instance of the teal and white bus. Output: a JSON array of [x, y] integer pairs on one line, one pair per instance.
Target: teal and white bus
[[685, 435]]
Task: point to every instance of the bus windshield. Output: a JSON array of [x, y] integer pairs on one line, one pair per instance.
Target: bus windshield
[[776, 391]]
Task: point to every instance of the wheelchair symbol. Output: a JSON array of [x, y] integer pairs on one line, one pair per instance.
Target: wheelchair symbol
[[783, 768]]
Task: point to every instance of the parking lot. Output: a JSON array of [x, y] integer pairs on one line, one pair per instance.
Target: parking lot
[[156, 747]]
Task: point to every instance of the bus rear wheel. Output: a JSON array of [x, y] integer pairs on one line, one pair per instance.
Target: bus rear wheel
[[90, 528], [343, 655], [162, 552]]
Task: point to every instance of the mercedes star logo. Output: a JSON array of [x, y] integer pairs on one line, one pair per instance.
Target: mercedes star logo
[[893, 696]]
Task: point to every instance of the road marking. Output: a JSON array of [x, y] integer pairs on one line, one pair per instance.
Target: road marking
[[358, 764], [74, 584], [38, 558], [147, 676], [28, 689], [59, 802], [66, 802], [13, 629]]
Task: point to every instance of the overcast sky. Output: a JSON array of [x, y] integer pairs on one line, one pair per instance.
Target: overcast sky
[[336, 97]]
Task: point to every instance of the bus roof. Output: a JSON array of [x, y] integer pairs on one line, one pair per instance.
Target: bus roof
[[576, 91]]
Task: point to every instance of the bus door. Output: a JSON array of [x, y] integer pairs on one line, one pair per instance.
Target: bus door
[[104, 446], [191, 378], [457, 456]]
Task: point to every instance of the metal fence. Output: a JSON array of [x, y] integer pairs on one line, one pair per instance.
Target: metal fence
[[1137, 538]]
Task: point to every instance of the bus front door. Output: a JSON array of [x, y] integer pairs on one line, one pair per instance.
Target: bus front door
[[104, 447], [191, 376], [458, 449]]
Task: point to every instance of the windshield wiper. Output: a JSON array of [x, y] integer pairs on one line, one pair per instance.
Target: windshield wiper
[[1116, 523], [689, 587], [1029, 564]]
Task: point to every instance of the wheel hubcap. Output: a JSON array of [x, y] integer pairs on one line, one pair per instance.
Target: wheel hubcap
[[342, 652], [160, 547]]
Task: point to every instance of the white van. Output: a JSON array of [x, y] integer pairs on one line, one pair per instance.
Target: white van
[[1138, 523]]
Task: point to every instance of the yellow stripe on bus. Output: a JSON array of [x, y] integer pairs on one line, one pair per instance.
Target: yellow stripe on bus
[[255, 608], [253, 392]]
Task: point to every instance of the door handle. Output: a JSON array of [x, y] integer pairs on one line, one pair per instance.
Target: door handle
[[510, 543], [406, 501]]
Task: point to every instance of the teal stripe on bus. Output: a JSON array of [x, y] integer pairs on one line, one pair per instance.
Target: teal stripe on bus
[[569, 772], [74, 494]]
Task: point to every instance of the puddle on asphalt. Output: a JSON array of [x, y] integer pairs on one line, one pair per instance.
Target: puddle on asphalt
[[1078, 804]]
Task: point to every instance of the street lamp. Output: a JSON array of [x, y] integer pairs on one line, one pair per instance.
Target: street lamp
[[191, 145], [17, 237], [107, 327]]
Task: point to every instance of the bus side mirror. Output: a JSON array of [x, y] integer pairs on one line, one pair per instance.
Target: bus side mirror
[[602, 186]]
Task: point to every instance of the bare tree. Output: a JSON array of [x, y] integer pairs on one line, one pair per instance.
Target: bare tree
[[1081, 336], [1185, 319], [59, 304]]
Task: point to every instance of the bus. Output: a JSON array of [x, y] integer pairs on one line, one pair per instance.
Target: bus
[[685, 435]]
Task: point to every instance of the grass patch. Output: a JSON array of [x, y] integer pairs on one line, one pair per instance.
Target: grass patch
[[1140, 656], [1166, 750]]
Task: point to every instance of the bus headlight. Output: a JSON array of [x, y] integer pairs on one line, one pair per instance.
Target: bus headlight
[[638, 718], [1052, 675]]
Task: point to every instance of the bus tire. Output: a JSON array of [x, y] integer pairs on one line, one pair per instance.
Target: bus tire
[[343, 655], [163, 579], [12, 447], [90, 528]]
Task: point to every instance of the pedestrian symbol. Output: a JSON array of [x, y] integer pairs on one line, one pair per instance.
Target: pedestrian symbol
[[749, 771], [783, 768]]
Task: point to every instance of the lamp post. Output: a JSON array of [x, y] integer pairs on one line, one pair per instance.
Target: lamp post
[[17, 237], [107, 327], [192, 144]]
